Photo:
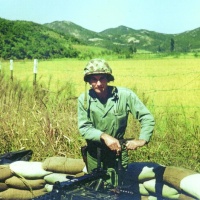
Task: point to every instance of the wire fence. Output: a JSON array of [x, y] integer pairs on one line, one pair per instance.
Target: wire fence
[[195, 77]]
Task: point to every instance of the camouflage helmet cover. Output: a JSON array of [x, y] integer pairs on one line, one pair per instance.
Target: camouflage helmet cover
[[97, 66]]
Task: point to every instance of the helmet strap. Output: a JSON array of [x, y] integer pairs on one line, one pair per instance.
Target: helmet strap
[[85, 96]]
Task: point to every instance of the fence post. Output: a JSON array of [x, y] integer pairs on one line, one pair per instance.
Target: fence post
[[35, 66], [11, 70]]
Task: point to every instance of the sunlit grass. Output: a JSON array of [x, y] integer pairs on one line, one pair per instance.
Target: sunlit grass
[[175, 81], [166, 82]]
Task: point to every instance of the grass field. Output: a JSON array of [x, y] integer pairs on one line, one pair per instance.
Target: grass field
[[165, 81], [169, 87]]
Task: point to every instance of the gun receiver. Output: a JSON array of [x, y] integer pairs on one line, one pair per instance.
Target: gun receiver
[[124, 141]]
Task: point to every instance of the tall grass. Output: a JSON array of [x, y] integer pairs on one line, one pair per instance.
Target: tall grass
[[175, 141], [44, 117], [38, 119]]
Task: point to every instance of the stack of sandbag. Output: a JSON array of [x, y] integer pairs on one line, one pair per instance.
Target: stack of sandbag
[[27, 180], [5, 173], [62, 166], [163, 182], [24, 180], [184, 180]]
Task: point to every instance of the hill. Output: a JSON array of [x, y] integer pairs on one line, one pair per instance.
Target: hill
[[71, 29], [59, 39], [23, 39], [123, 37]]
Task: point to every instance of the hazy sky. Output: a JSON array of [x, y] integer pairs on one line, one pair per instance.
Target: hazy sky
[[163, 16]]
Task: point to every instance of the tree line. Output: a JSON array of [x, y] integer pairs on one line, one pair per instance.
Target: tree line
[[21, 40]]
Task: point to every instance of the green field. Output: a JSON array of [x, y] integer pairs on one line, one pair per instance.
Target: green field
[[173, 82], [43, 120]]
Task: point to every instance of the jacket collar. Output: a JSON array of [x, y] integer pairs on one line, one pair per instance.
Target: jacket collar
[[111, 101], [112, 90]]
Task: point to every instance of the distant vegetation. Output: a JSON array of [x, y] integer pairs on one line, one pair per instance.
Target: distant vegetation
[[62, 39], [125, 40], [28, 40]]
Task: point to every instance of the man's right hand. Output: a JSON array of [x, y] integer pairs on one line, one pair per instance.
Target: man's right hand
[[111, 142]]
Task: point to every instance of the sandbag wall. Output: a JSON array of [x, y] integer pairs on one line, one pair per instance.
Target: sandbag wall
[[26, 180], [163, 182]]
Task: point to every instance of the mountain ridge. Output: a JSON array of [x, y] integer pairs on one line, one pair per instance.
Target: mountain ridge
[[22, 39], [142, 39]]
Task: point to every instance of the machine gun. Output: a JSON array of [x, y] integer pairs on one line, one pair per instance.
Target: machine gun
[[89, 186]]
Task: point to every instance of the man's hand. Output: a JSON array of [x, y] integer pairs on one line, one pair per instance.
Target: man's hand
[[134, 144], [111, 142]]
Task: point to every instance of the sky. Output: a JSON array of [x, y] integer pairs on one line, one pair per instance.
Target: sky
[[163, 16]]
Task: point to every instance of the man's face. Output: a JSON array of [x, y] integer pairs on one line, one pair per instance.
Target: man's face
[[98, 83]]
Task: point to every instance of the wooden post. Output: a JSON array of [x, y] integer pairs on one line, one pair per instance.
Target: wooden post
[[35, 66], [11, 70]]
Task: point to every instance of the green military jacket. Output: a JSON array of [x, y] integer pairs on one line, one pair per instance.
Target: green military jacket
[[95, 118]]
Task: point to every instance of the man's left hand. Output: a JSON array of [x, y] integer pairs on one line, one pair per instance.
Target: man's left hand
[[134, 144]]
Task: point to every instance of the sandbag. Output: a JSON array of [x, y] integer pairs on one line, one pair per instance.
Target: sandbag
[[151, 198], [186, 197], [5, 172], [143, 190], [16, 194], [49, 187], [142, 171], [25, 184], [191, 185], [161, 189], [3, 187], [140, 189], [80, 174], [28, 169], [174, 175], [63, 165], [52, 178]]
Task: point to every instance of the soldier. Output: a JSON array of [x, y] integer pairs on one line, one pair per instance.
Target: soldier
[[102, 117]]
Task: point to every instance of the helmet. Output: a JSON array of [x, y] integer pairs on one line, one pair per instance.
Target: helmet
[[97, 66]]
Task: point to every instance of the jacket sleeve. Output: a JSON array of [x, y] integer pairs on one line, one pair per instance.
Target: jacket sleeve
[[85, 125], [143, 115]]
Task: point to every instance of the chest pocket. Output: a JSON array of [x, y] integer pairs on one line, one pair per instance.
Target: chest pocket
[[121, 120], [121, 116]]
